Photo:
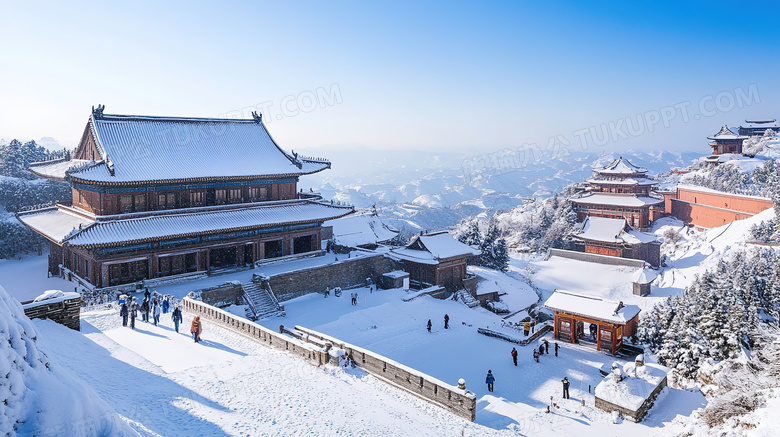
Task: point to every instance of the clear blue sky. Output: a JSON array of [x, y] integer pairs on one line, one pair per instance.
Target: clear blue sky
[[473, 76]]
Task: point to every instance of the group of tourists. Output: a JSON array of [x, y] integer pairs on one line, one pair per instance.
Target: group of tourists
[[543, 349], [446, 323], [151, 311]]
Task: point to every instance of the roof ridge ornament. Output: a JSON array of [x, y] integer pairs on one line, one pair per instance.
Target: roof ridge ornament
[[98, 113], [257, 116]]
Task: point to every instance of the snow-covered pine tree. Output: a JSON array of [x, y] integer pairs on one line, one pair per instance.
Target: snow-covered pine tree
[[471, 235]]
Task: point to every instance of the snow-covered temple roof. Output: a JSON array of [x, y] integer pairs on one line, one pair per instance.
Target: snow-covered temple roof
[[361, 229], [57, 169], [759, 123], [142, 149], [630, 200], [626, 181], [620, 166], [593, 307], [59, 225], [429, 248], [55, 223], [611, 230], [726, 134]]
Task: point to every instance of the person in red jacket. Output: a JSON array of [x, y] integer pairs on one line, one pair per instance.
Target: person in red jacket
[[514, 355], [197, 329]]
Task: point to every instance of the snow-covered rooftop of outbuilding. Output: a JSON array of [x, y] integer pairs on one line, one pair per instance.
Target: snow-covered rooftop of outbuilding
[[194, 221], [634, 389], [57, 168], [645, 276], [590, 306], [54, 223], [612, 231], [429, 248], [396, 274], [725, 133], [141, 148], [617, 199], [620, 166], [361, 229], [444, 245], [50, 297]]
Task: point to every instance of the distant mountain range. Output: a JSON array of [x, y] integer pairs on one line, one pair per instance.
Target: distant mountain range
[[428, 190]]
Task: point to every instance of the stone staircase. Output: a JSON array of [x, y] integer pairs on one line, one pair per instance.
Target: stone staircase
[[262, 304], [467, 299]]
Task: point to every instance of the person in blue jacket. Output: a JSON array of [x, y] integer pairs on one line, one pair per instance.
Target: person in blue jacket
[[490, 379], [176, 316], [123, 312], [165, 305]]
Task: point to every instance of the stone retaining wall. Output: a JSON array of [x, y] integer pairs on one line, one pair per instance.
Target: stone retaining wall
[[65, 312], [345, 273], [458, 401], [594, 258], [261, 334], [222, 295]]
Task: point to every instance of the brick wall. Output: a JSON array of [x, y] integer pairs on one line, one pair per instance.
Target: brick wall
[[65, 312], [344, 273]]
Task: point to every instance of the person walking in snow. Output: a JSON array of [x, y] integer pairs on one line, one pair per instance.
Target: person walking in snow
[[145, 310], [327, 291], [123, 313], [354, 298], [536, 355], [165, 305], [546, 347], [526, 328], [514, 356], [490, 379], [565, 382], [176, 316], [429, 325], [533, 326], [147, 295], [446, 321], [196, 329], [556, 349], [132, 310], [156, 310], [541, 349]]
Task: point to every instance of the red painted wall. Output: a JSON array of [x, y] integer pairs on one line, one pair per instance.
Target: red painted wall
[[724, 200]]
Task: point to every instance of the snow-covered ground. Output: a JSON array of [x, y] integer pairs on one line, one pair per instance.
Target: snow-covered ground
[[164, 384], [25, 279]]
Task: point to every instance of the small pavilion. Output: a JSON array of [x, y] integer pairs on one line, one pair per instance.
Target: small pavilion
[[573, 311]]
